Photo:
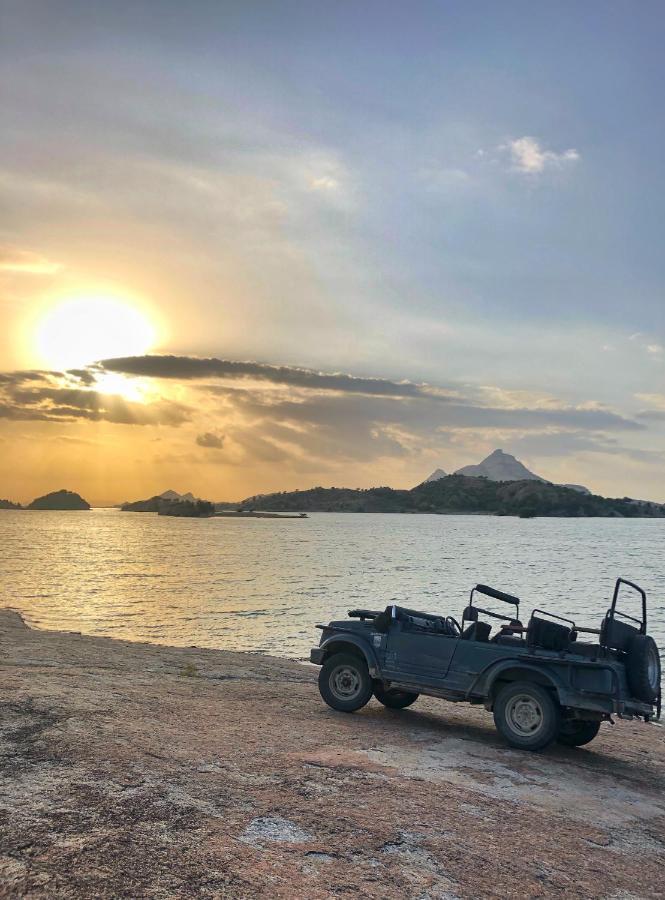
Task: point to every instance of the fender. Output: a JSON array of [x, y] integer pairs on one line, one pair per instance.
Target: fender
[[484, 681], [347, 637]]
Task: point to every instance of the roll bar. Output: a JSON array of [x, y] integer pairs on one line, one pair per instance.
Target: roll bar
[[496, 595], [615, 596]]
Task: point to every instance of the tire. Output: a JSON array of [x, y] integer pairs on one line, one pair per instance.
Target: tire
[[643, 668], [393, 698], [576, 732], [344, 682], [527, 716]]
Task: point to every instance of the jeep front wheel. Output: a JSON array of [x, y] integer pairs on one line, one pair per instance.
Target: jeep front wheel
[[344, 682], [527, 716]]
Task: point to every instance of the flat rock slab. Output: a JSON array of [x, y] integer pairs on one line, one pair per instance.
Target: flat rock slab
[[134, 770]]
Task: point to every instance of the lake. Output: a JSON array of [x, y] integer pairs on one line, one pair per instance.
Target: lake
[[262, 585]]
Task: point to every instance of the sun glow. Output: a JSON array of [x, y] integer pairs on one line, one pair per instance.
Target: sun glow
[[82, 330]]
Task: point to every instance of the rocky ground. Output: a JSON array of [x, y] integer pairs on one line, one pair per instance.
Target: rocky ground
[[132, 770]]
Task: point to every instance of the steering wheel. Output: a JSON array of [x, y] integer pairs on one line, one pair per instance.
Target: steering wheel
[[456, 625]]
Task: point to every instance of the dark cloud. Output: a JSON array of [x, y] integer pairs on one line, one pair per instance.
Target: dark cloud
[[189, 367], [210, 439], [85, 376], [421, 413]]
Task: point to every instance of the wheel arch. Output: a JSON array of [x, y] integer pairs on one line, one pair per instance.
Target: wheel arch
[[355, 646], [514, 670]]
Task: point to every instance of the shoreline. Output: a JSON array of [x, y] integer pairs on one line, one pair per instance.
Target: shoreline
[[146, 770]]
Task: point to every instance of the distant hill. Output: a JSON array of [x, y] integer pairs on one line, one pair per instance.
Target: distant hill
[[152, 504], [60, 500], [457, 494], [7, 504], [500, 466], [169, 503]]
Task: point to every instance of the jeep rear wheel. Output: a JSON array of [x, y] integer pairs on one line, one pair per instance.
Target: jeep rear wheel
[[344, 682], [527, 716], [576, 733], [392, 698]]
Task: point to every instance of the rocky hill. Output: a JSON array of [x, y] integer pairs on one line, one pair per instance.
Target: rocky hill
[[61, 499], [7, 504], [458, 494], [500, 466]]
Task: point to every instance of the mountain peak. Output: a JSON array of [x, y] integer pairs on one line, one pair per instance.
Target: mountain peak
[[435, 476], [500, 466]]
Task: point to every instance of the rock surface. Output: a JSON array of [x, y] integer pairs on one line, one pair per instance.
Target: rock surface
[[134, 770], [500, 466]]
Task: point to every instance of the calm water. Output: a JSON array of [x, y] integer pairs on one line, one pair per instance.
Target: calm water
[[263, 584]]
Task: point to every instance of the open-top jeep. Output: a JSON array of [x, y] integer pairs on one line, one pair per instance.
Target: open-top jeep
[[541, 682]]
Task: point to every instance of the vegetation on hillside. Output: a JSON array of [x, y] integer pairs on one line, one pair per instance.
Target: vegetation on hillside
[[458, 494], [198, 509]]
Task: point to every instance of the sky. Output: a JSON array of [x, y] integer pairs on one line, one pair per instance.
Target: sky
[[365, 240]]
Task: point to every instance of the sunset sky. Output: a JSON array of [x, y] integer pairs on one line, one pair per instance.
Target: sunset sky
[[366, 240]]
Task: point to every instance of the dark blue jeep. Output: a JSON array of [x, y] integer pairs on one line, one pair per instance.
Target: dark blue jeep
[[540, 680]]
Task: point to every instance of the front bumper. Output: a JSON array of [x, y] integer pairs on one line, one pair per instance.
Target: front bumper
[[316, 656]]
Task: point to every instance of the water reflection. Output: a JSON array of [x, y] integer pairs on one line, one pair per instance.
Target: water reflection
[[262, 584]]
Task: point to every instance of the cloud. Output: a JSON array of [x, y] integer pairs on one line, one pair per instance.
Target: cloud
[[656, 401], [210, 439], [25, 262], [57, 397], [299, 420], [190, 367], [529, 156]]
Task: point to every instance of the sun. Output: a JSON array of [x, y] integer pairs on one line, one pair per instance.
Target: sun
[[84, 329]]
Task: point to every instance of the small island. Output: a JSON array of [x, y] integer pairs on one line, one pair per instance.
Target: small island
[[170, 503], [62, 500], [7, 504], [192, 509]]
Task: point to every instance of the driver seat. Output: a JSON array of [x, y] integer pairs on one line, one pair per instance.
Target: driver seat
[[477, 631]]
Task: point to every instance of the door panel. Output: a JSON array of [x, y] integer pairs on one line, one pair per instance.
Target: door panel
[[417, 653]]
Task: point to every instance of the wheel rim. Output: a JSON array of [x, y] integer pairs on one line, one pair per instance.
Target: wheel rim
[[524, 715], [345, 682], [653, 673]]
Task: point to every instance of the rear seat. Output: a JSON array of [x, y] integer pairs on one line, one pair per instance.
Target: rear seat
[[592, 651]]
